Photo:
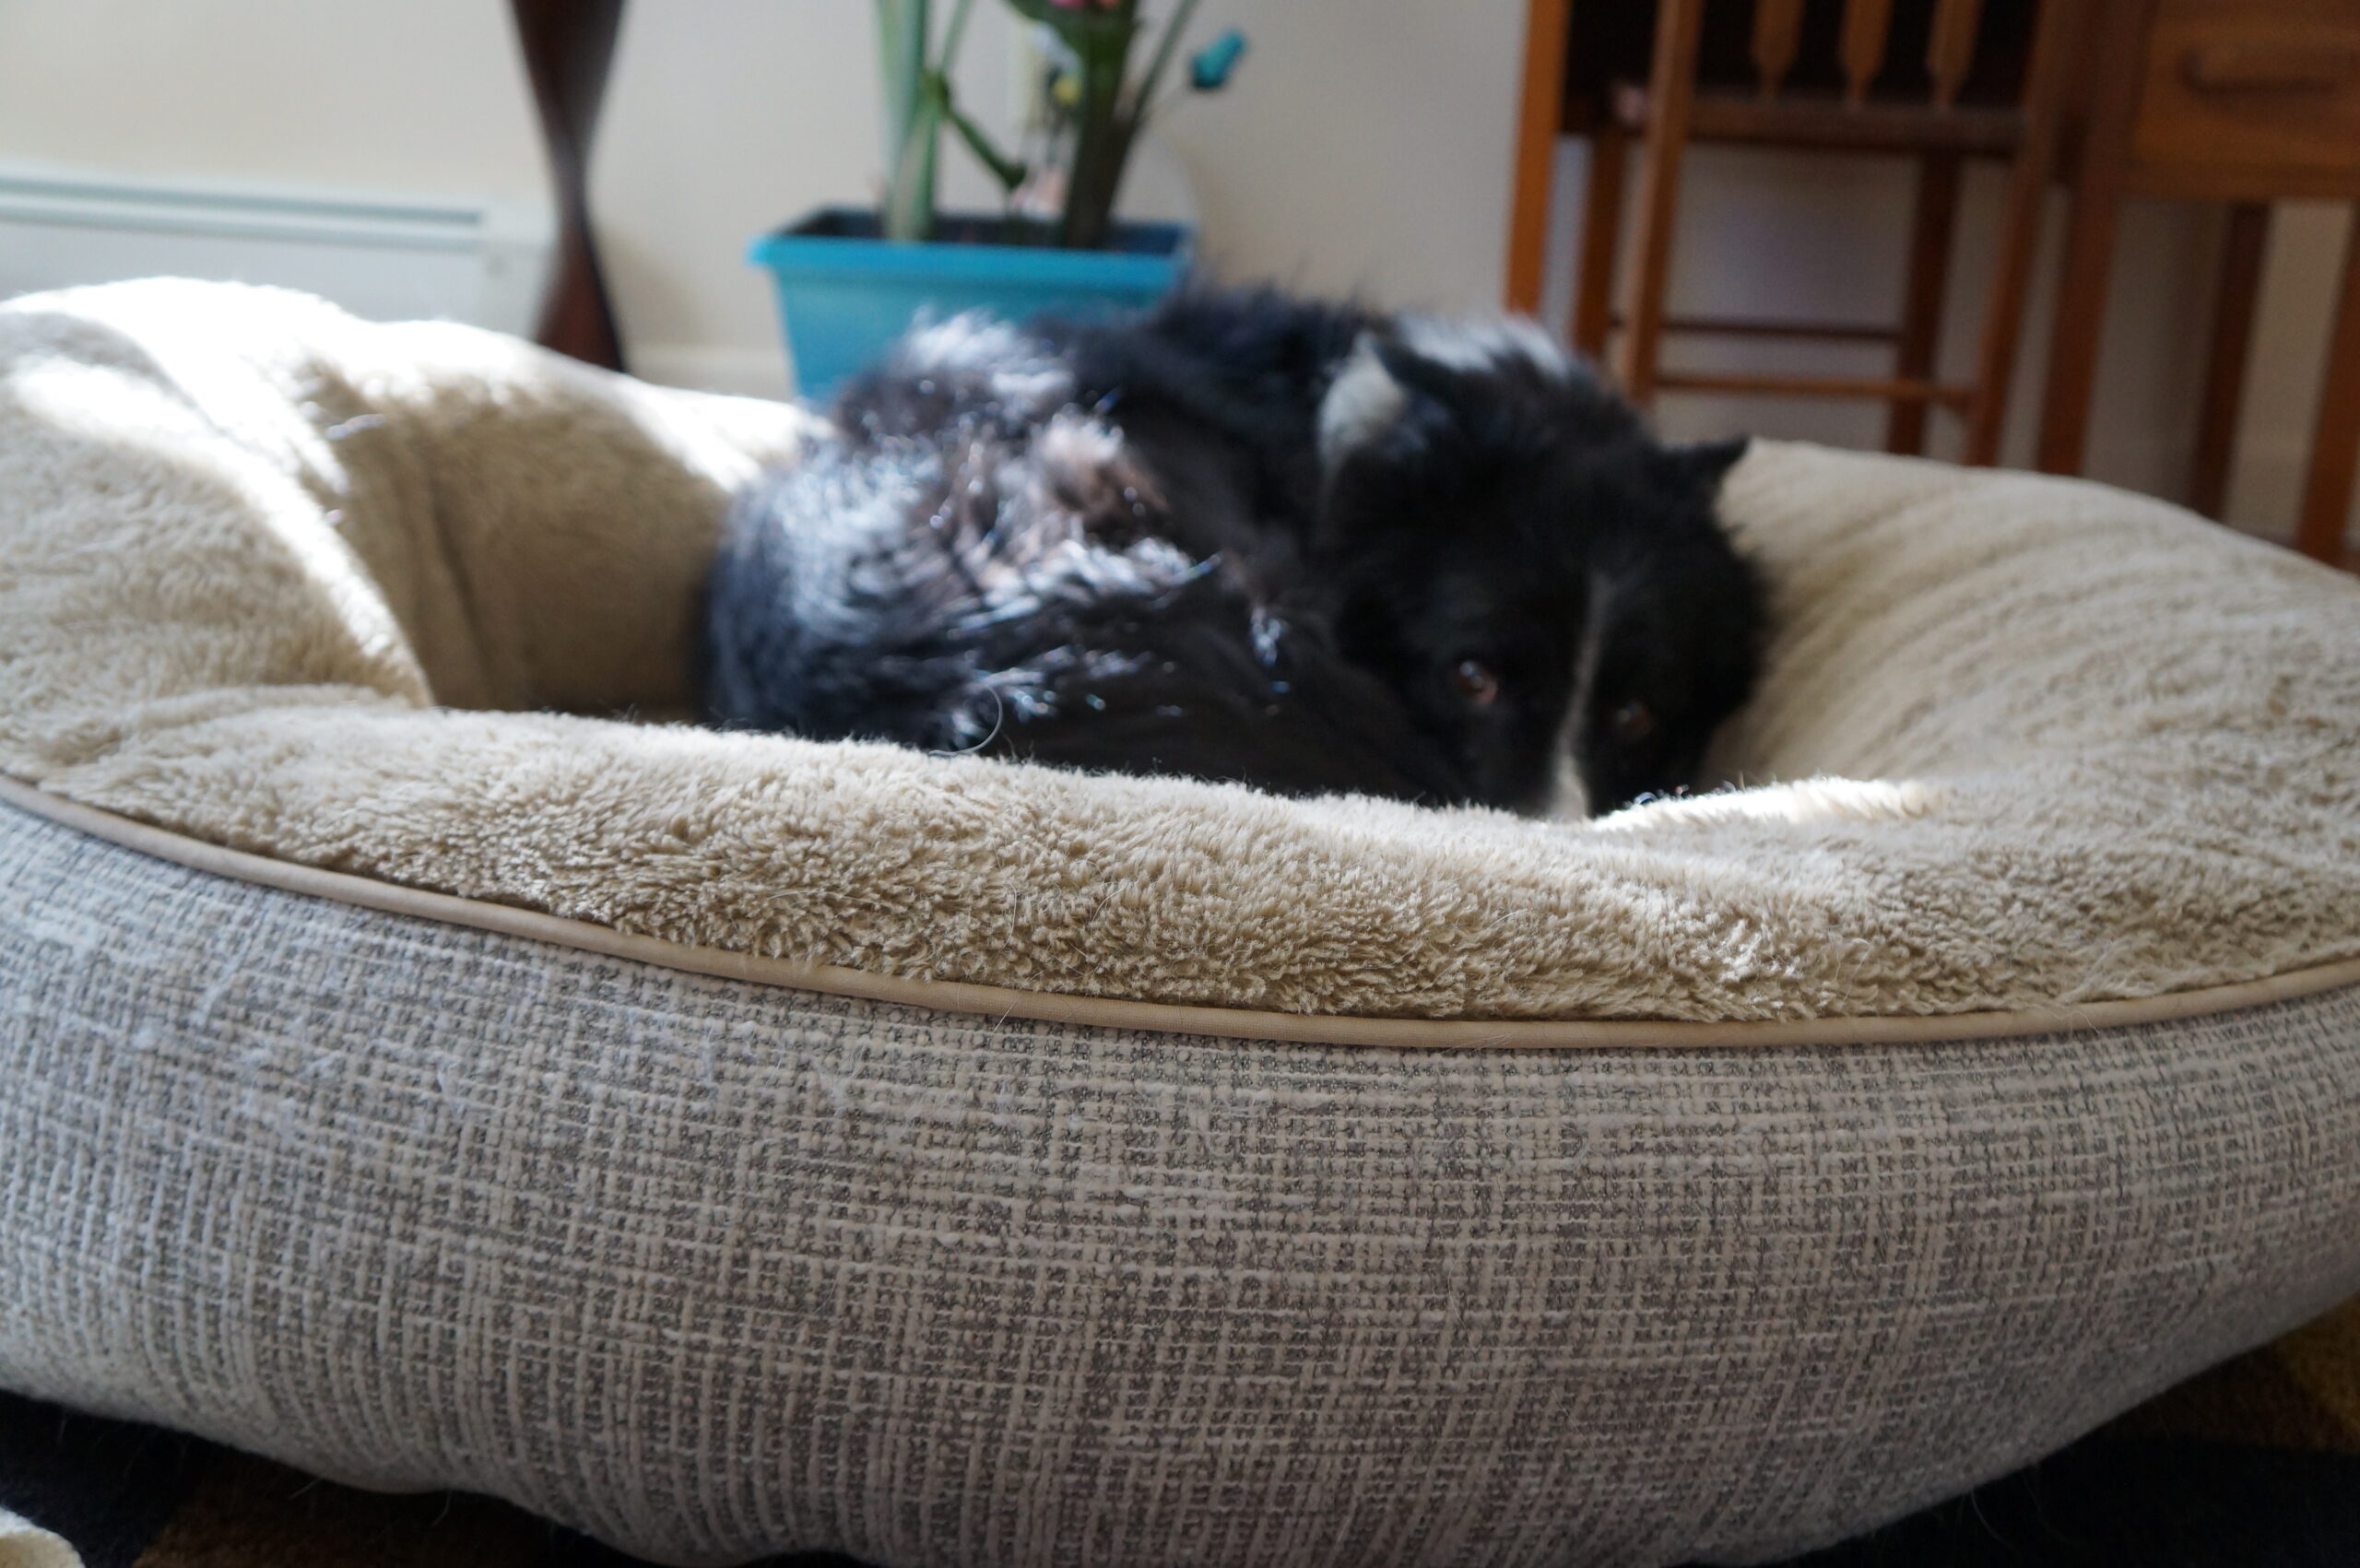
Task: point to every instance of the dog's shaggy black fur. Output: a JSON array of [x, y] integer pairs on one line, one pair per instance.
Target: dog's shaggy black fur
[[1247, 536]]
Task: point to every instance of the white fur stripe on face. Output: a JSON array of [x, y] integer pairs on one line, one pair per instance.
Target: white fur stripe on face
[[1569, 795]]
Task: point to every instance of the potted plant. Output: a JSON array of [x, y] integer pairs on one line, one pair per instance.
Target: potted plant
[[851, 279]]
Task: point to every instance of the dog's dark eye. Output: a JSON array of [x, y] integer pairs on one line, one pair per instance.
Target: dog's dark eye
[[1476, 682], [1632, 721]]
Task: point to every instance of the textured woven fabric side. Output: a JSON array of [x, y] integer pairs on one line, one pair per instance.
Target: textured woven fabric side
[[714, 1270]]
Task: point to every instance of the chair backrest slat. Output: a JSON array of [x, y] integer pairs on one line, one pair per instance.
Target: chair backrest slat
[[1777, 34], [1950, 48], [1866, 25]]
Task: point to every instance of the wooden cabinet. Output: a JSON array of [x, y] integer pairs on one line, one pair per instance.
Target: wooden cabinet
[[2241, 94], [2247, 102]]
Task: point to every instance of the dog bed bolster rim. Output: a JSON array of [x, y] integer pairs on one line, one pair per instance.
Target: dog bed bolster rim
[[1162, 1017]]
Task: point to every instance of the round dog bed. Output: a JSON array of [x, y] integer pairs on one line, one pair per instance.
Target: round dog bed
[[425, 1063]]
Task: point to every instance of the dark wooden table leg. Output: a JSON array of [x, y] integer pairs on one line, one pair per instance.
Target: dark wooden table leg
[[2224, 378], [2074, 339], [2061, 35], [567, 46], [2335, 448], [2117, 39]]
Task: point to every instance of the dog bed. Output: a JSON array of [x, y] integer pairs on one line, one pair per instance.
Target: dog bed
[[425, 1064]]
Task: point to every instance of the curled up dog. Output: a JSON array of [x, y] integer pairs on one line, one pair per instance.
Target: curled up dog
[[1247, 536]]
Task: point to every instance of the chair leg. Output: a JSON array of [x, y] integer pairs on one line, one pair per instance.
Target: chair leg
[[2089, 244], [1671, 82], [2335, 448], [1544, 86], [2224, 378], [1930, 228], [2073, 341], [1601, 240], [2059, 35]]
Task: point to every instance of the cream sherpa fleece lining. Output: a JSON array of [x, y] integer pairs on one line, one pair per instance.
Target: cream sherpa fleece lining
[[2055, 743]]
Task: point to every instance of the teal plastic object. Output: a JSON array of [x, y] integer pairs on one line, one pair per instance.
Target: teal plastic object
[[845, 294]]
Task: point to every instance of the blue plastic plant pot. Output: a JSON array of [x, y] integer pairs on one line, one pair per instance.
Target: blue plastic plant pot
[[845, 294]]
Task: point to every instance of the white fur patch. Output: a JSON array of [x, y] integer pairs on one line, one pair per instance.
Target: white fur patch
[[1481, 345], [1084, 459], [978, 343], [972, 340], [1569, 800], [1362, 404]]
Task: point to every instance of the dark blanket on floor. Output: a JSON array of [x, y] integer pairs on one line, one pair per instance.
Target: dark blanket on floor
[[2254, 1465]]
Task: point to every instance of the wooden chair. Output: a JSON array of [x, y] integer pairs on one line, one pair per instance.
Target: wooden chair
[[1987, 90]]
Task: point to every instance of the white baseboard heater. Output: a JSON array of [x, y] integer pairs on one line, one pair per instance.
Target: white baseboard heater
[[388, 258]]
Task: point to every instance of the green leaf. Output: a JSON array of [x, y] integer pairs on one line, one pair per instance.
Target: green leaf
[[1006, 170]]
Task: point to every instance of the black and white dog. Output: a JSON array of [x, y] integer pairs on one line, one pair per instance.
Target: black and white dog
[[1252, 537]]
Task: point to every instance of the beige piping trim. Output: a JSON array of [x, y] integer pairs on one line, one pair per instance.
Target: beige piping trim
[[1229, 1023]]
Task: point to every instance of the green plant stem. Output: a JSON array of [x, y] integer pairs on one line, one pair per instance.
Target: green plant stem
[[1102, 132], [901, 56], [912, 123], [950, 37], [909, 199], [1004, 169], [1143, 98]]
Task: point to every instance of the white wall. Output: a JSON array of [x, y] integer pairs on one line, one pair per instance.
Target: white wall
[[425, 95], [1368, 148], [1364, 146], [2299, 289]]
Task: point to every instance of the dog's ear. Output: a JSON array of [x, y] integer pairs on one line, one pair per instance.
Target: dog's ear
[[1388, 408], [1390, 421], [1703, 465], [1363, 405]]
